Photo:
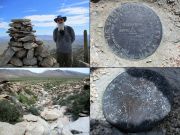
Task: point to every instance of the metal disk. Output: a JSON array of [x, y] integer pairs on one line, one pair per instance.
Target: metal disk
[[137, 100], [133, 31]]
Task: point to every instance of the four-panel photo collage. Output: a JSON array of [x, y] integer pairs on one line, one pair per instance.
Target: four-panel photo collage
[[90, 67]]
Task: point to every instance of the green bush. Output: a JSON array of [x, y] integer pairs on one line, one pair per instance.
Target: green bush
[[33, 110], [9, 112], [26, 100], [30, 92], [81, 103], [77, 102], [48, 86]]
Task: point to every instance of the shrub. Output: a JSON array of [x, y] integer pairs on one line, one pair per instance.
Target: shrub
[[26, 100], [77, 102], [9, 112], [33, 110]]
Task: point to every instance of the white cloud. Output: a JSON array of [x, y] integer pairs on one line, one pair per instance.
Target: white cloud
[[40, 18], [48, 20], [74, 10], [72, 21], [4, 25], [79, 3], [77, 20], [44, 24]]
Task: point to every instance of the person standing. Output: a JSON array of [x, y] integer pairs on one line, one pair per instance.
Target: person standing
[[63, 36]]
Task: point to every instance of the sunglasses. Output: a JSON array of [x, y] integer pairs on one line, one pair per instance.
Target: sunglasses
[[60, 20]]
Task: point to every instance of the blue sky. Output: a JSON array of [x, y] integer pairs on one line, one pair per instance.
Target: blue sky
[[40, 70], [43, 12]]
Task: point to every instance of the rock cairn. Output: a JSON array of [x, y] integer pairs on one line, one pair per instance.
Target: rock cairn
[[24, 49]]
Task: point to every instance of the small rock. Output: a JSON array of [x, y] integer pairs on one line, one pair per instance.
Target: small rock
[[149, 61], [177, 12], [82, 115], [29, 45], [170, 1]]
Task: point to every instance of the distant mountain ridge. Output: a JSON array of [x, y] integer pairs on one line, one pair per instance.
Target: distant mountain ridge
[[79, 38], [7, 73], [47, 39]]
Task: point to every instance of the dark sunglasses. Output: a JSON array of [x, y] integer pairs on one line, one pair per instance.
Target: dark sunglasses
[[60, 20]]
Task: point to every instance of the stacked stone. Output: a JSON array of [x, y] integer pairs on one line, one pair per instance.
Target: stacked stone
[[24, 49]]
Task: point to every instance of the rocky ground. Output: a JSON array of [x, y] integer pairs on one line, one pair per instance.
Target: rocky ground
[[167, 53], [101, 77], [48, 107]]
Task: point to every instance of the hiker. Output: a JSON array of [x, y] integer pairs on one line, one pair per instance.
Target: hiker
[[64, 36]]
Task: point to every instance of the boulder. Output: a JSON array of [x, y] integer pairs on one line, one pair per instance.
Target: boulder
[[21, 54], [30, 53], [16, 25], [16, 44], [9, 129], [48, 62], [30, 118], [16, 62], [16, 49], [41, 51], [34, 125], [39, 58], [51, 114], [27, 38], [30, 62], [6, 57]]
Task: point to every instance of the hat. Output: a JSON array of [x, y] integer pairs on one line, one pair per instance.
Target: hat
[[60, 17]]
